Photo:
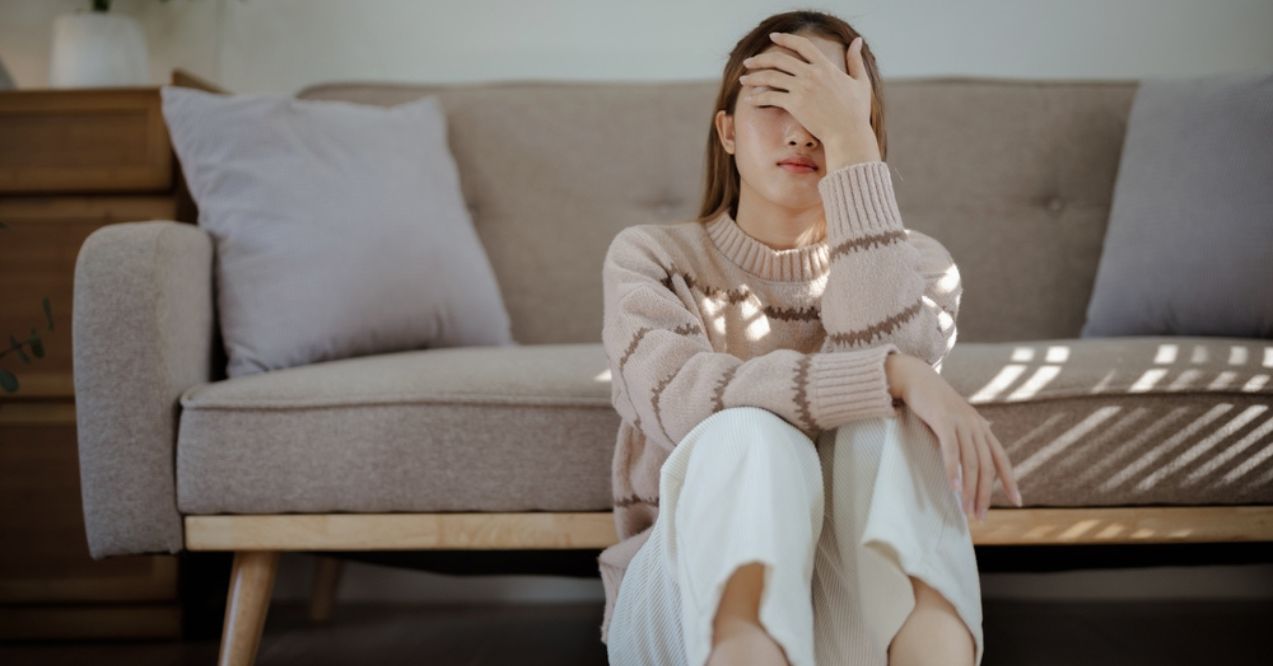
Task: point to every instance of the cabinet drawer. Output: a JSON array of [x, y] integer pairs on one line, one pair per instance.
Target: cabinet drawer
[[39, 244], [110, 139], [45, 558]]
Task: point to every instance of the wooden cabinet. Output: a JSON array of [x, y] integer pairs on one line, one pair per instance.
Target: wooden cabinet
[[71, 161], [106, 140]]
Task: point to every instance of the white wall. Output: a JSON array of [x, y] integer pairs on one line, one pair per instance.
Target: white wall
[[284, 45]]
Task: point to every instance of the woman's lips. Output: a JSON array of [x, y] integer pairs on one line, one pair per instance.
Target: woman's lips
[[797, 168]]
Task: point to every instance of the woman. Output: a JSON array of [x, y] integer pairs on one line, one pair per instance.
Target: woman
[[785, 429]]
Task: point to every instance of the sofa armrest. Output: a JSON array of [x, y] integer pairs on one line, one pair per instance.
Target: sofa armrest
[[143, 328]]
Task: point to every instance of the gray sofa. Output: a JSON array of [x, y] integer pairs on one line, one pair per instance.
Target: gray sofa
[[1119, 440]]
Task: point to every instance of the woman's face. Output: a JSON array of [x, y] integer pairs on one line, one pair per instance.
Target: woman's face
[[759, 137]]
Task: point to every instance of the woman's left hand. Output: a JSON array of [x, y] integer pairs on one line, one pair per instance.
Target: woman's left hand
[[833, 105]]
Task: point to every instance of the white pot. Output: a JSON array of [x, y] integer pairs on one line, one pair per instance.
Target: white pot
[[93, 49]]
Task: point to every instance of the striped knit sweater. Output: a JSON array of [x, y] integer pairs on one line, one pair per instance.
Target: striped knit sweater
[[701, 316]]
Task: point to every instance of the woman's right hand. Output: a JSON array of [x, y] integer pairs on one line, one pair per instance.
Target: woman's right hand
[[971, 452]]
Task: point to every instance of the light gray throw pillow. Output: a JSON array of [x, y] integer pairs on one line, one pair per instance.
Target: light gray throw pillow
[[1191, 223], [340, 228]]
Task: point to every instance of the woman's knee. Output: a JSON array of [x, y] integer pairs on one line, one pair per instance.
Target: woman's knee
[[739, 434], [871, 426], [753, 420], [742, 412], [736, 429]]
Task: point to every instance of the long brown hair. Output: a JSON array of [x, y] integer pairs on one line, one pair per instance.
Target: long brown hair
[[721, 188]]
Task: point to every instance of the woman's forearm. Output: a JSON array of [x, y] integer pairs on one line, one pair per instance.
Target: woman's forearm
[[885, 283]]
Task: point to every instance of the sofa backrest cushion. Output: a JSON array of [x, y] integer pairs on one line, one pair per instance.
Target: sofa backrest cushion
[[1014, 177]]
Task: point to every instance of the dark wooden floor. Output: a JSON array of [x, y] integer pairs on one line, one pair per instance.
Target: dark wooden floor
[[1017, 633]]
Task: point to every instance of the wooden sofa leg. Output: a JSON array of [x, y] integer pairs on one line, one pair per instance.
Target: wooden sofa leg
[[248, 601], [323, 595]]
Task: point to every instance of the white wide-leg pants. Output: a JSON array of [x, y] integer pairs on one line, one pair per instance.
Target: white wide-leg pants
[[839, 524]]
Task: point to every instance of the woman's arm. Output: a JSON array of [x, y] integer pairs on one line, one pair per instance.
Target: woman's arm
[[890, 287], [886, 284], [666, 378]]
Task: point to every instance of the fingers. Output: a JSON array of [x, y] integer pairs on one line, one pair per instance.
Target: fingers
[[853, 59], [768, 77], [1006, 474], [986, 474], [950, 457], [765, 98], [953, 452], [969, 459], [776, 60], [800, 44]]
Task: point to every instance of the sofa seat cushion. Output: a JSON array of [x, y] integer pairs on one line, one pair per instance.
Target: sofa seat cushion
[[1126, 421], [516, 428], [1092, 422]]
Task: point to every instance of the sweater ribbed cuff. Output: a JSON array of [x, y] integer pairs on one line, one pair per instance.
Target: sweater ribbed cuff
[[858, 201], [847, 386]]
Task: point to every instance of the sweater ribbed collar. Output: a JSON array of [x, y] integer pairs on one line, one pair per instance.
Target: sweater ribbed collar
[[799, 264]]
